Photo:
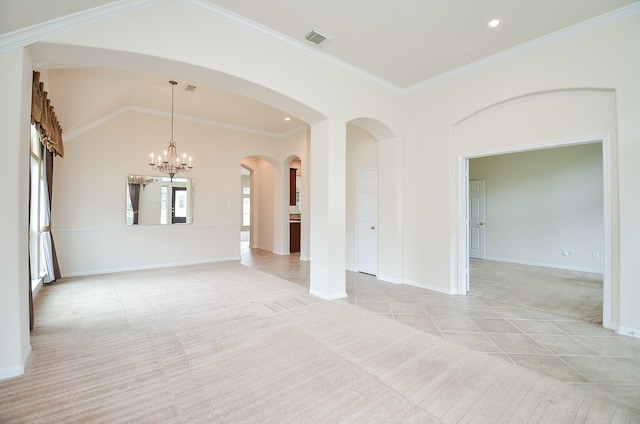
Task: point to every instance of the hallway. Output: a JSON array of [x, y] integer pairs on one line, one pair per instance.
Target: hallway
[[569, 350]]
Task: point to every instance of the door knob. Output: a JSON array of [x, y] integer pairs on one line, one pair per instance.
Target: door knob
[[482, 223], [373, 228]]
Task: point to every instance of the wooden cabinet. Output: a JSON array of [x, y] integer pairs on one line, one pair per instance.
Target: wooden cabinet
[[292, 186], [294, 237]]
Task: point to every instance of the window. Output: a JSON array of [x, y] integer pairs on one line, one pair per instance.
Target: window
[[36, 212]]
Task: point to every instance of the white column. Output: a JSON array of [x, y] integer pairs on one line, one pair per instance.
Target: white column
[[328, 162], [280, 178], [15, 110]]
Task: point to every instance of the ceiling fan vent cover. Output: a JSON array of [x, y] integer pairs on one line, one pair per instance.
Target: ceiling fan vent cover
[[317, 37]]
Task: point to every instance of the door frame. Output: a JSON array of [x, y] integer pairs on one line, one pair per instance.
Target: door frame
[[609, 303]]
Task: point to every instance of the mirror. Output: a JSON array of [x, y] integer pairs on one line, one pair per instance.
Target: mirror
[[158, 200]]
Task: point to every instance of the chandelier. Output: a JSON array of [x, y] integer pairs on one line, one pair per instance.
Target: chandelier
[[171, 163]]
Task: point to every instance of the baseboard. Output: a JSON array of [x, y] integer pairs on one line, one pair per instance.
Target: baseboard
[[340, 295], [427, 286], [145, 267], [16, 370], [631, 332], [392, 280], [36, 290], [546, 265]]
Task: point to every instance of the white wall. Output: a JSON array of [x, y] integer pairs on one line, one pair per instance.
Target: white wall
[[15, 108], [262, 193], [91, 236], [546, 95], [428, 121], [541, 202]]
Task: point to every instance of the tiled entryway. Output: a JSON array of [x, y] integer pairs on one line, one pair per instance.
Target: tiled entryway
[[572, 351]]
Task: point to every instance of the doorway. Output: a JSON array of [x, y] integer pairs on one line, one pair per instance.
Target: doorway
[[178, 205], [544, 220], [245, 201]]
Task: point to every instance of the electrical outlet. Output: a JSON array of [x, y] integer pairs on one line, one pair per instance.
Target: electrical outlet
[[595, 255], [567, 252], [179, 249]]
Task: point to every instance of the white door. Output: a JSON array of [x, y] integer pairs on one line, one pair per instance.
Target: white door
[[367, 214], [476, 219]]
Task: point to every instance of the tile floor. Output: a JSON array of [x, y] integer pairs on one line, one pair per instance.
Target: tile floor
[[575, 352]]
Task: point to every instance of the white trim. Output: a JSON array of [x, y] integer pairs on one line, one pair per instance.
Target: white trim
[[589, 24], [146, 267], [68, 136], [335, 296], [607, 279], [36, 289], [123, 227], [392, 280], [131, 108], [238, 20], [35, 33], [548, 265], [428, 286], [16, 370], [460, 271], [631, 332]]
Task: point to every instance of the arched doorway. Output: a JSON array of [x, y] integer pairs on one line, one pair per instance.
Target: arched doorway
[[539, 121]]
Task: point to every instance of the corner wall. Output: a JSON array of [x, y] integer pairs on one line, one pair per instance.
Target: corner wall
[[15, 110]]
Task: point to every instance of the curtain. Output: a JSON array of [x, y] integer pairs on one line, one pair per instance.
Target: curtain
[[44, 118], [31, 314], [134, 194], [50, 133], [49, 247]]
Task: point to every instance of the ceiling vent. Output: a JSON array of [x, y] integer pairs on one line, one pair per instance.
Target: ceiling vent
[[318, 37], [190, 87]]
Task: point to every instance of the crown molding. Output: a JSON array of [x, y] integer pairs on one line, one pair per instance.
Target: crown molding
[[67, 137], [607, 18], [205, 7], [35, 33]]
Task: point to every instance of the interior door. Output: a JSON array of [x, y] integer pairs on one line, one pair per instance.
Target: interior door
[[179, 205], [476, 220], [367, 203]]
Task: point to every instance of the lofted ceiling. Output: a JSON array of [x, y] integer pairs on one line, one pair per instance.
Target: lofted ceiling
[[398, 43], [85, 97]]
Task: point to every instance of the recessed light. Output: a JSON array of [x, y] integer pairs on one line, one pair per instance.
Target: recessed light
[[287, 118], [494, 23]]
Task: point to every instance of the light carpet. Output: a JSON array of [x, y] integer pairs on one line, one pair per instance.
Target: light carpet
[[223, 343]]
